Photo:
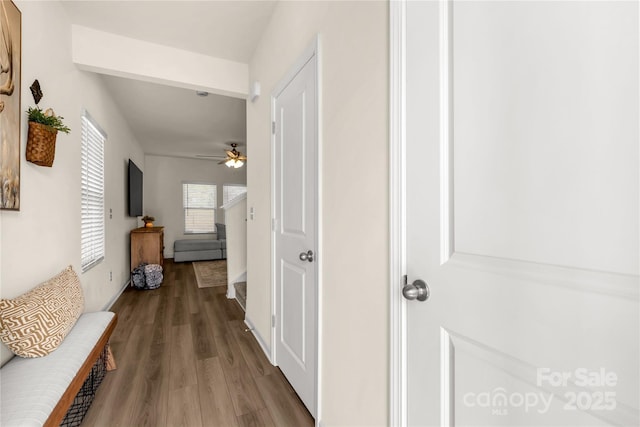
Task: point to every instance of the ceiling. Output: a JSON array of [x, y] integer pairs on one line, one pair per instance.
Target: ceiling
[[169, 120], [172, 121]]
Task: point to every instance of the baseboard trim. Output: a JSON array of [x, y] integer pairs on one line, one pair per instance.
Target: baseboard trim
[[231, 291], [261, 341], [117, 295]]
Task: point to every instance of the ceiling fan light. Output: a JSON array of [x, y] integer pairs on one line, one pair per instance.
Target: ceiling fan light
[[238, 164], [230, 163]]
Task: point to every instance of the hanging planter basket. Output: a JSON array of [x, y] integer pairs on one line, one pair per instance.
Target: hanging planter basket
[[41, 144]]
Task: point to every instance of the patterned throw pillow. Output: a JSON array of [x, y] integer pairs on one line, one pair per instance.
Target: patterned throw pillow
[[35, 323]]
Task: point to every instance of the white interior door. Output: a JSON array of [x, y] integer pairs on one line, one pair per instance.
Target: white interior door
[[522, 191], [295, 231]]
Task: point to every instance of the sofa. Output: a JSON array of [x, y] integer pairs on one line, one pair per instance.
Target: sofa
[[202, 249]]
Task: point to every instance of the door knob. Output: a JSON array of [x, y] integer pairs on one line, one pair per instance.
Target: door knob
[[416, 290], [306, 256]]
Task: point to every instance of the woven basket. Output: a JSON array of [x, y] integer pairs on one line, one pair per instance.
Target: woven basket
[[41, 144]]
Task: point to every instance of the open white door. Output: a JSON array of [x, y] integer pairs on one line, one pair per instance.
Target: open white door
[[295, 231], [522, 217]]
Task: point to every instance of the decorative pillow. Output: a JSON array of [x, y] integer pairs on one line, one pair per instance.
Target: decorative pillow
[[35, 323]]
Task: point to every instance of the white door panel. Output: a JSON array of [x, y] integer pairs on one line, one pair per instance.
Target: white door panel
[[292, 315], [292, 158], [542, 97], [522, 213], [295, 233]]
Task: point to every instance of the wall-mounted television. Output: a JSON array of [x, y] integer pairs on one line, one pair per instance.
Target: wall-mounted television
[[135, 190]]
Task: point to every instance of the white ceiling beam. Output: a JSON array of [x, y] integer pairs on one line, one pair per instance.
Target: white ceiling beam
[[116, 55]]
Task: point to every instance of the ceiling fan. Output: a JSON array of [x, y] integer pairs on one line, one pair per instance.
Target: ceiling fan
[[233, 159]]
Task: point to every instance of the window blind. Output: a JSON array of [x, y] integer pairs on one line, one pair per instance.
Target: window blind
[[199, 203], [230, 192], [92, 234]]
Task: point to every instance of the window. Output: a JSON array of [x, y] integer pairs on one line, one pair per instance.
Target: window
[[231, 191], [92, 211], [199, 202]]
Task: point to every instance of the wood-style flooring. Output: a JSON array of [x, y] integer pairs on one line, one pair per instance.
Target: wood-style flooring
[[185, 359]]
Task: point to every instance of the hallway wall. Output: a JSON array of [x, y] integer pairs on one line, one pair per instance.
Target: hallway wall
[[354, 192], [43, 237]]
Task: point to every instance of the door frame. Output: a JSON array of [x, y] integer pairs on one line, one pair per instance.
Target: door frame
[[397, 214], [398, 340], [313, 50]]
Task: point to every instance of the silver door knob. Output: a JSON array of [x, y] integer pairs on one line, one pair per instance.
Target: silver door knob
[[416, 290], [306, 256]]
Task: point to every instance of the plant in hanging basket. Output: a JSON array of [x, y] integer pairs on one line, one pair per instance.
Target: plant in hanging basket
[[41, 140], [47, 118]]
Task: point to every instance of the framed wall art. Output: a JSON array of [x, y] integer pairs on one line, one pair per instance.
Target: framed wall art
[[10, 113]]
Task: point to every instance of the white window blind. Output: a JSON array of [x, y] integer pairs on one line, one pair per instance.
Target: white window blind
[[199, 202], [92, 234], [231, 191]]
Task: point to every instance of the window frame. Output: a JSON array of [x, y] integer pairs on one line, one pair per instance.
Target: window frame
[[186, 208], [224, 186], [92, 192]]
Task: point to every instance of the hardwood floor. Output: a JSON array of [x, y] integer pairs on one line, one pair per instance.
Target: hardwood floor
[[185, 359]]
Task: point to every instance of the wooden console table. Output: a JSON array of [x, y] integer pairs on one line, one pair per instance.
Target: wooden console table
[[147, 245]]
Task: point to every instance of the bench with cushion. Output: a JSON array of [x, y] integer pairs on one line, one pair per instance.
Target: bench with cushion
[[201, 249], [61, 354]]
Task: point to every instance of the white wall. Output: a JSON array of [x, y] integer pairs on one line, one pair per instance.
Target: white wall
[[163, 178], [44, 236], [236, 222], [138, 59], [354, 129]]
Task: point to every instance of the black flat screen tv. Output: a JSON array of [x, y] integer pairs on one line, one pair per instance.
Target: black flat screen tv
[[135, 190]]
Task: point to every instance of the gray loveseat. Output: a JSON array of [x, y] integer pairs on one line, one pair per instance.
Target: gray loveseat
[[202, 249]]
